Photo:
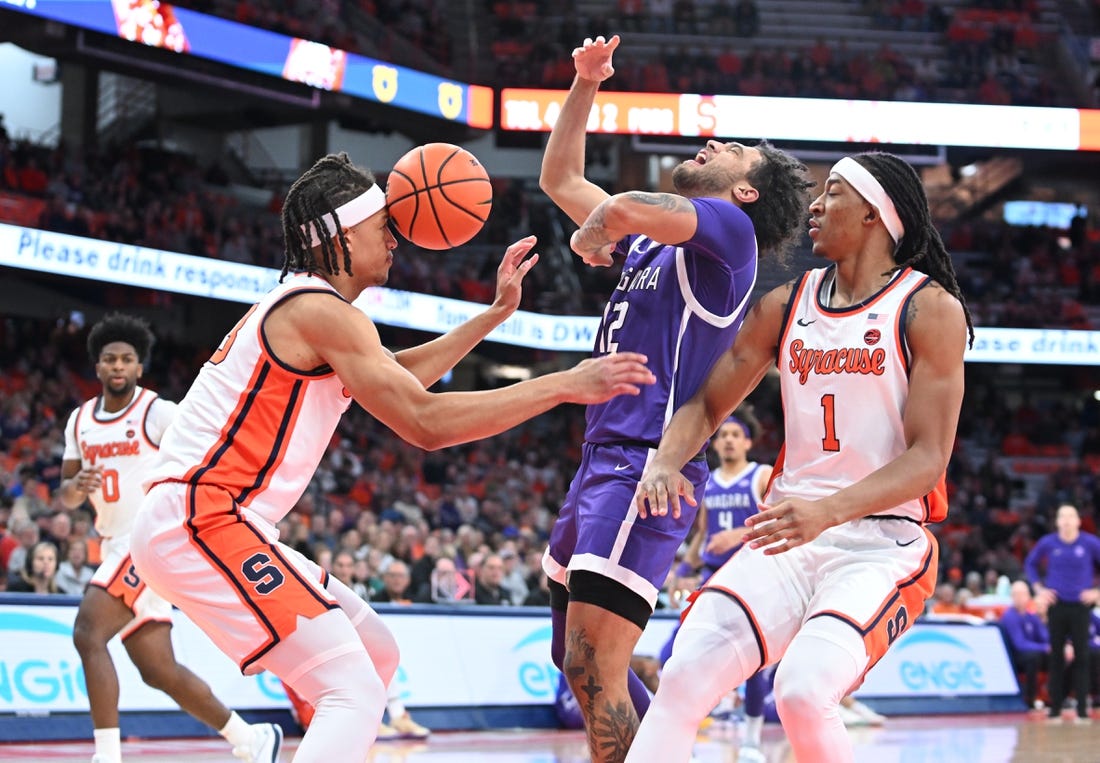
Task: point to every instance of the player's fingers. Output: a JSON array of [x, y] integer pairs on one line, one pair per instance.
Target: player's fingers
[[526, 265], [627, 357], [600, 40], [516, 251], [688, 492], [674, 505], [641, 497], [613, 42]]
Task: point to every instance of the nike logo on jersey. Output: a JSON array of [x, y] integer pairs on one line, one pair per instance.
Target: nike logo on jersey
[[620, 467], [804, 322], [910, 543]]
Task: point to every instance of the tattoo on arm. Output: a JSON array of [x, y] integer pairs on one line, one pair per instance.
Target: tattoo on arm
[[668, 201], [592, 236]]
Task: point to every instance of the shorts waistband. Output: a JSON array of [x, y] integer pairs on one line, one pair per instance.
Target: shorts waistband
[[646, 444]]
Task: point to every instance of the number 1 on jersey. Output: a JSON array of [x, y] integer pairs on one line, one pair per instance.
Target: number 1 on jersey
[[829, 442]]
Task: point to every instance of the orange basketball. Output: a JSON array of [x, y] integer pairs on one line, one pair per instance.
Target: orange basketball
[[439, 196]]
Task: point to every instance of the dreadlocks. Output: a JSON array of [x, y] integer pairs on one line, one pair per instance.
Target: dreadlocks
[[779, 214], [117, 327], [332, 181], [921, 243]]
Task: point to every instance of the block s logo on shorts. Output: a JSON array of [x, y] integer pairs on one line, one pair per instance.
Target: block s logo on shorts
[[897, 625], [131, 578], [264, 575]]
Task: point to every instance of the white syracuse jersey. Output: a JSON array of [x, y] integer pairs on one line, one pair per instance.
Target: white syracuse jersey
[[125, 445], [844, 376], [250, 424]]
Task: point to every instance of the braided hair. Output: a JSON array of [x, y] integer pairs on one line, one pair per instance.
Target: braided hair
[[332, 181], [779, 213], [118, 327], [921, 245]]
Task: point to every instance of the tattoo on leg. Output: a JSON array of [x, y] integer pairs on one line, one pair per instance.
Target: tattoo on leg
[[613, 730], [611, 723], [579, 660]]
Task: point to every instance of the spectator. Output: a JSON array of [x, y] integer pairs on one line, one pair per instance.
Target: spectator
[[1028, 640], [444, 585], [514, 581], [26, 532], [488, 588], [395, 584], [74, 574], [343, 569], [39, 571]]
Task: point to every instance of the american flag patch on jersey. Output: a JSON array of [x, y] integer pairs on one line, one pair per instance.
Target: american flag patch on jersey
[[877, 317]]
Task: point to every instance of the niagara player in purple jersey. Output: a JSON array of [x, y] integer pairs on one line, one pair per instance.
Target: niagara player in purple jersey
[[732, 494], [690, 266]]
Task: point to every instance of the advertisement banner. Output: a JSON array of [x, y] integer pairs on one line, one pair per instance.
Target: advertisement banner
[[814, 119], [63, 254], [450, 658], [943, 660]]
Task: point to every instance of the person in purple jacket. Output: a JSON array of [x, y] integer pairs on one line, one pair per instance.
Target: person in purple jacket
[[689, 269], [1027, 635], [1062, 567]]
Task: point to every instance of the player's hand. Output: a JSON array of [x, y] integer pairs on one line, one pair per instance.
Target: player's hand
[[89, 479], [723, 541], [659, 492], [598, 256], [595, 380], [593, 58], [1044, 597], [513, 267], [1090, 596], [791, 522]]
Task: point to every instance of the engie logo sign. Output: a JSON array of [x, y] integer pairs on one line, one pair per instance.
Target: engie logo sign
[[39, 665], [944, 660], [536, 671]]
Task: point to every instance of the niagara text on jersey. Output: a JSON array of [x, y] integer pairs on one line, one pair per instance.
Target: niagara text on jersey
[[844, 374]]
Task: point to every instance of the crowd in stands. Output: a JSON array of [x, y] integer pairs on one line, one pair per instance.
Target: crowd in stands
[[391, 30], [990, 45], [709, 48]]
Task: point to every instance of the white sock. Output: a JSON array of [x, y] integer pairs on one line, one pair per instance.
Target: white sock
[[753, 727], [396, 708], [237, 732], [108, 744]]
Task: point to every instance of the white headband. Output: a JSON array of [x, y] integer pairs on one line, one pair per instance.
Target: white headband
[[870, 189], [354, 212]]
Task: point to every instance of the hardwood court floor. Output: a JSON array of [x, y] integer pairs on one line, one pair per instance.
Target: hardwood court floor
[[940, 739]]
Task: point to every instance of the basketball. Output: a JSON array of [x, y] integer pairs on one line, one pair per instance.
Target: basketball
[[439, 195]]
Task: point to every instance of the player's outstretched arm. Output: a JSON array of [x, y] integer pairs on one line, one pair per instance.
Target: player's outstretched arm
[[428, 362], [937, 336], [734, 375], [346, 339], [664, 217], [562, 175]]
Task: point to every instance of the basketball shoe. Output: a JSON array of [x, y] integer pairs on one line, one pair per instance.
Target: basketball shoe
[[267, 740]]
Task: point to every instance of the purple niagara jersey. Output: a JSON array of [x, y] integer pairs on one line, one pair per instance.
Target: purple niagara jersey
[[681, 306], [728, 505]]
